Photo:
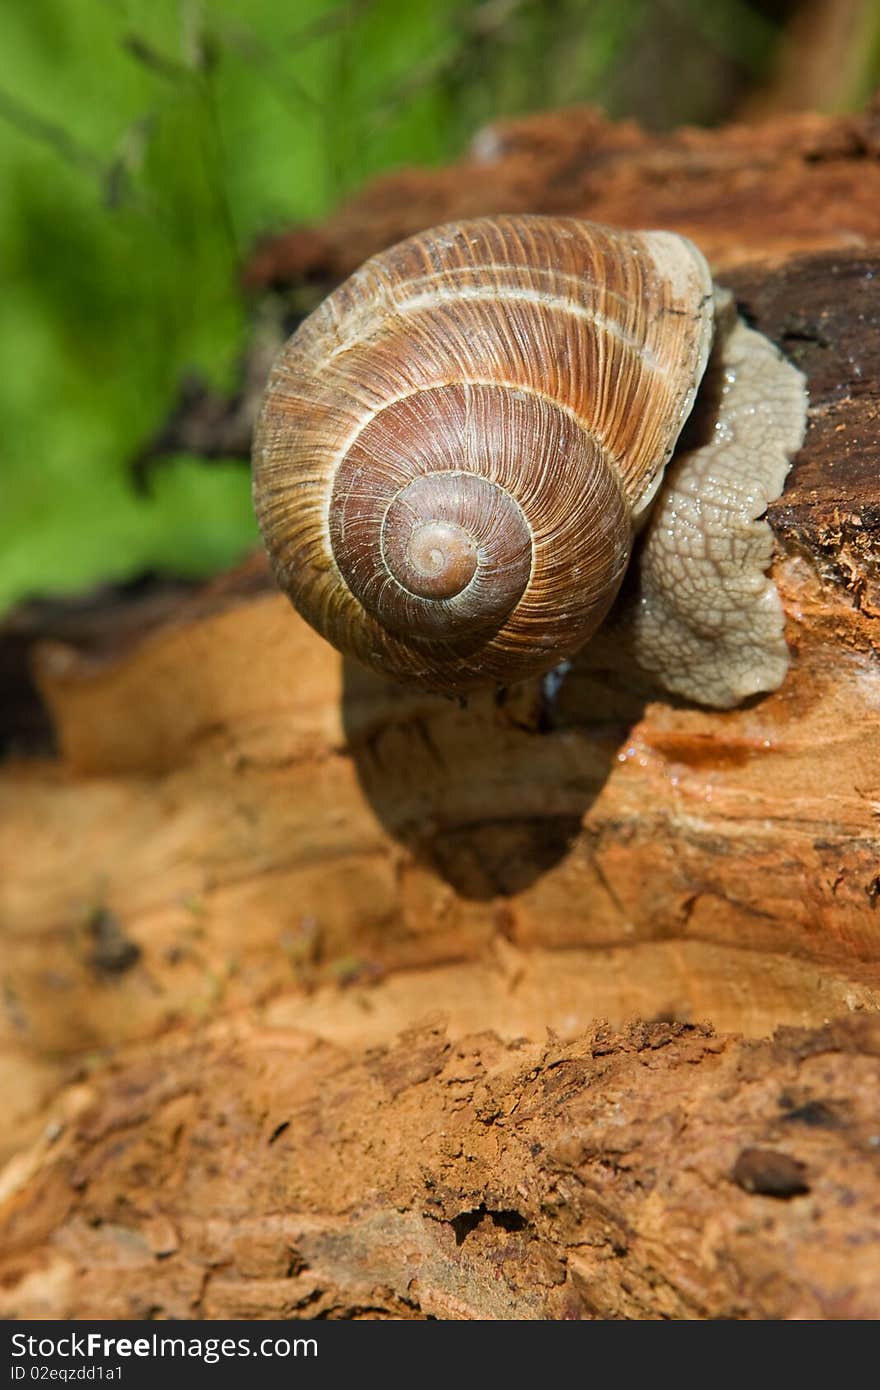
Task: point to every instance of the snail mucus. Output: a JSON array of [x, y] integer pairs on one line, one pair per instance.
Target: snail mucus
[[461, 449]]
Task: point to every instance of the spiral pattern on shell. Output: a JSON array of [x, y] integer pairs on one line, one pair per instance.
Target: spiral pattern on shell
[[453, 448]]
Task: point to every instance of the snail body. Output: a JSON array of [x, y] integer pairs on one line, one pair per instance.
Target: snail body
[[457, 450]]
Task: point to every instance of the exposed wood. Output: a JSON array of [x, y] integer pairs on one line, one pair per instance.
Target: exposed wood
[[743, 193], [236, 819], [662, 1172]]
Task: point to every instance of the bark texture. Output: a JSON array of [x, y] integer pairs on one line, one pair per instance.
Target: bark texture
[[243, 868], [241, 1172], [746, 192]]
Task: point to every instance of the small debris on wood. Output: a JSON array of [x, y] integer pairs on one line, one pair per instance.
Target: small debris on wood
[[770, 1173], [112, 952]]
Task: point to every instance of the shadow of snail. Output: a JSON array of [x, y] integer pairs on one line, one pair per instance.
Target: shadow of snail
[[489, 794]]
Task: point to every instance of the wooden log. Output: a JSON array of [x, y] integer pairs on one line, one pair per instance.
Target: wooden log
[[244, 1172], [236, 819], [744, 193]]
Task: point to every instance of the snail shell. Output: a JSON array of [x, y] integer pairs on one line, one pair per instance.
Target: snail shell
[[457, 449], [454, 449]]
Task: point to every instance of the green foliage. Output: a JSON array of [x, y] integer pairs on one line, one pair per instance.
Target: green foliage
[[144, 144]]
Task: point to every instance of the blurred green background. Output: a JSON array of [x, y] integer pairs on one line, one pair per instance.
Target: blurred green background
[[145, 145]]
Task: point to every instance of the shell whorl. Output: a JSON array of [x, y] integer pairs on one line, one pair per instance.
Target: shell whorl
[[453, 447]]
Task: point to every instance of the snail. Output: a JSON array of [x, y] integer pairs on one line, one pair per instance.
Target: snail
[[461, 449]]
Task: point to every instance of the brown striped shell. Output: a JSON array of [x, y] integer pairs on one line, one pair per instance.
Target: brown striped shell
[[454, 449]]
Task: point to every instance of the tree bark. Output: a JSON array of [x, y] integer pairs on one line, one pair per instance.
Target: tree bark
[[241, 1172], [249, 863]]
